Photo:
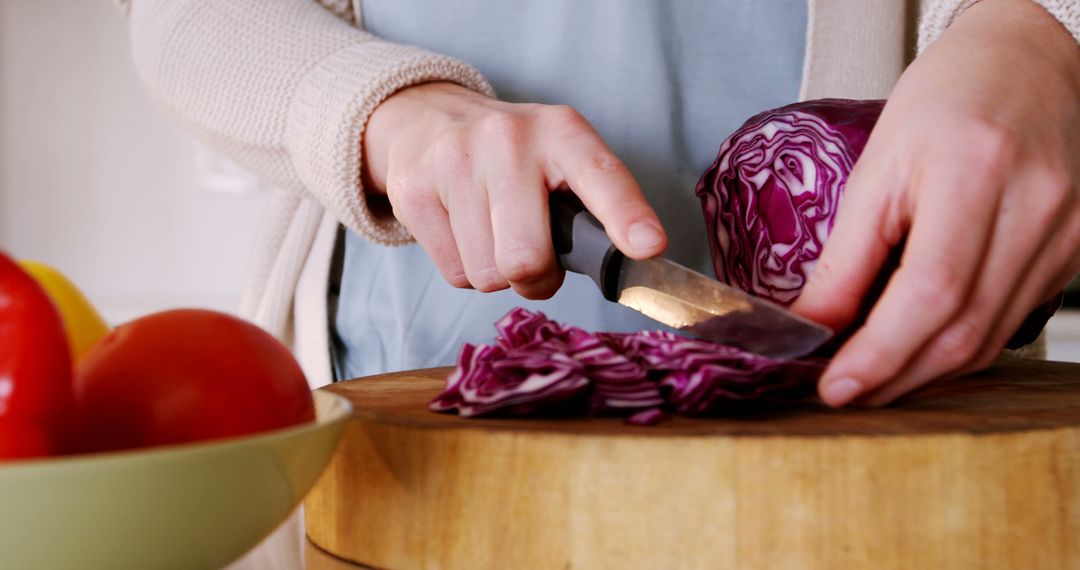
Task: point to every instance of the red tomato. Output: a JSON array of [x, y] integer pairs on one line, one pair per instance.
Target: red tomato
[[22, 440], [35, 365], [186, 375]]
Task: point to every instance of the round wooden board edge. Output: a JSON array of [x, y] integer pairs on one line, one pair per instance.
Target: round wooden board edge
[[813, 420]]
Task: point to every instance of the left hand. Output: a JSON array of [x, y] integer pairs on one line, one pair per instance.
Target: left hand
[[976, 163]]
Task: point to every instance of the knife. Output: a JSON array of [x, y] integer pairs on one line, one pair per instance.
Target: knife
[[674, 295]]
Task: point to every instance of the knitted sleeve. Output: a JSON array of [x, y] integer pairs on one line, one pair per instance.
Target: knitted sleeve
[[283, 88], [939, 14]]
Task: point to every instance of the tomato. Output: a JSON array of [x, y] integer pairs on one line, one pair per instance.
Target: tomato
[[35, 364], [22, 440], [186, 375]]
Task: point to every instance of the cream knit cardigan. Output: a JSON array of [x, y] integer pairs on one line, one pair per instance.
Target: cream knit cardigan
[[285, 87]]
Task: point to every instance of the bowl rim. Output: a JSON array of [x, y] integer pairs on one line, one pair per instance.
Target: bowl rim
[[338, 409]]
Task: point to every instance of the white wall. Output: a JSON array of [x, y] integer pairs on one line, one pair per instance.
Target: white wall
[[1063, 336], [95, 181]]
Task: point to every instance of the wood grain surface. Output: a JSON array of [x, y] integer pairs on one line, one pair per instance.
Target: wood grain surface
[[981, 472]]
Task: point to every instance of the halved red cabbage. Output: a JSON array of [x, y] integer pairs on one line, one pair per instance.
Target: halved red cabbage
[[539, 367], [770, 199], [771, 196]]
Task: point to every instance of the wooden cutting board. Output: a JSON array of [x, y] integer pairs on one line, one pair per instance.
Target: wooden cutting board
[[982, 472]]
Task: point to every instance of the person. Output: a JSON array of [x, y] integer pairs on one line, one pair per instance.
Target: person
[[974, 160], [364, 115]]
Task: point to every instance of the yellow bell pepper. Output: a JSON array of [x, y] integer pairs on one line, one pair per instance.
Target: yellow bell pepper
[[83, 324]]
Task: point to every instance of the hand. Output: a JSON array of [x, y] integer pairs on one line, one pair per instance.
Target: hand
[[469, 176], [975, 162]]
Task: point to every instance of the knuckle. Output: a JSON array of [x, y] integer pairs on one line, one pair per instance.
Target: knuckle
[[958, 346], [502, 127], [532, 109], [827, 285], [503, 195], [565, 117], [605, 163], [450, 267], [522, 264], [449, 154], [487, 280], [408, 197], [938, 288], [992, 146], [399, 188], [1056, 190], [823, 274], [457, 279], [1052, 199]]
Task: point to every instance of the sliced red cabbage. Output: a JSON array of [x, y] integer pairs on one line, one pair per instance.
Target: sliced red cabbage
[[649, 417], [537, 366]]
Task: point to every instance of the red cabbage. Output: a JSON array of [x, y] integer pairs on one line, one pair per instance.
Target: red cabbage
[[770, 198], [539, 367], [649, 417]]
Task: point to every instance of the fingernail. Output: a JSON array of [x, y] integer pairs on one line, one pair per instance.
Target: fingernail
[[644, 235], [840, 392]]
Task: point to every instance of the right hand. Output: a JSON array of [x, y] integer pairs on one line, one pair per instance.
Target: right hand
[[469, 176]]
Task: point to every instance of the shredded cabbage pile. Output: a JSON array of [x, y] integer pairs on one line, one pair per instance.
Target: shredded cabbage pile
[[537, 366]]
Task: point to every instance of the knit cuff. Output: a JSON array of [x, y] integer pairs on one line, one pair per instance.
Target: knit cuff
[[328, 113], [940, 14]]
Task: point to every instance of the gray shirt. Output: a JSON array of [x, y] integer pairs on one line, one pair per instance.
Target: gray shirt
[[662, 81]]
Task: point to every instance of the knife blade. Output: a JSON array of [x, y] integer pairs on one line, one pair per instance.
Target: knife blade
[[677, 296]]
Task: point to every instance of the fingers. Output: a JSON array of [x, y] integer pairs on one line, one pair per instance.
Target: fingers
[[1056, 264], [867, 227], [470, 220], [523, 254], [420, 210], [999, 301], [577, 156], [473, 189], [941, 262]]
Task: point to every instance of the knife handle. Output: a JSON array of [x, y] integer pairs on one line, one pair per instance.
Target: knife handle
[[582, 245]]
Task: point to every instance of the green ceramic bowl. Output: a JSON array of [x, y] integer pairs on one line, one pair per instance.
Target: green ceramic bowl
[[189, 506]]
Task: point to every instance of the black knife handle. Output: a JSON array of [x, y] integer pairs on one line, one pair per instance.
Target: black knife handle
[[581, 245]]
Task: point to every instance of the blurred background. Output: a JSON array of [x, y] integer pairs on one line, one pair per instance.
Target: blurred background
[[96, 182]]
